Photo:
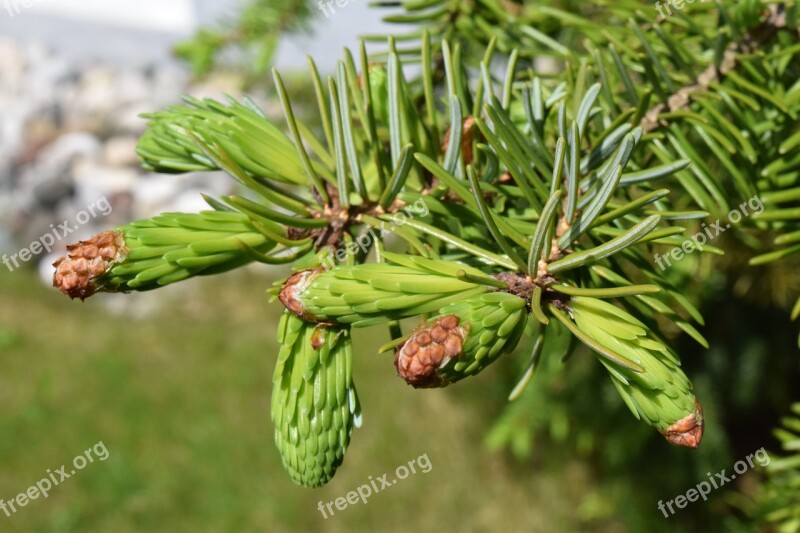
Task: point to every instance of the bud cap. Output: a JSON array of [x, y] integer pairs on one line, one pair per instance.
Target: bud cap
[[77, 273]]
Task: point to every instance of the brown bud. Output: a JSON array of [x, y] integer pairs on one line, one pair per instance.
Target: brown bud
[[423, 338], [411, 348], [452, 346], [449, 322], [688, 431], [424, 356], [438, 334], [77, 272], [467, 139], [427, 349], [437, 352], [293, 289], [318, 337]]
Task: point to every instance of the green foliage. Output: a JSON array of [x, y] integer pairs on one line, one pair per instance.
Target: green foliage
[[778, 502], [314, 402], [659, 393], [372, 294], [255, 33], [174, 247], [555, 147], [493, 323], [465, 338]]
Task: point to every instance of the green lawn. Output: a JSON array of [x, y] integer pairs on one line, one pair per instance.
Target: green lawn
[[180, 399]]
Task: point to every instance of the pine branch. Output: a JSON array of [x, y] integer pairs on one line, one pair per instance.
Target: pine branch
[[751, 42], [515, 194]]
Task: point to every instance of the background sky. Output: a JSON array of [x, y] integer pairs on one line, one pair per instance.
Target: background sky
[[141, 31]]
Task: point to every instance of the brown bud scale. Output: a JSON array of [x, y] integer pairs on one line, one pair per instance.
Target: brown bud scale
[[688, 431], [77, 273], [428, 349], [294, 287], [318, 337], [438, 334], [467, 138]]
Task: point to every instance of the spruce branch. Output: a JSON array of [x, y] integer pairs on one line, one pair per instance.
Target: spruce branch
[[749, 43], [777, 503], [315, 406], [544, 193]]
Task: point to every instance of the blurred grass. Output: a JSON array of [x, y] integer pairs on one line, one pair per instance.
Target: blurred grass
[[180, 398]]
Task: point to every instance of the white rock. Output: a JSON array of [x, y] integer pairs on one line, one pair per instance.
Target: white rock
[[97, 177], [120, 152], [154, 193]]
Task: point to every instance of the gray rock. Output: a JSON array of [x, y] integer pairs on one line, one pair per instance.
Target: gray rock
[[120, 152]]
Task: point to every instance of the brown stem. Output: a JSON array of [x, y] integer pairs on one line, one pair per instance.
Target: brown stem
[[750, 42]]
